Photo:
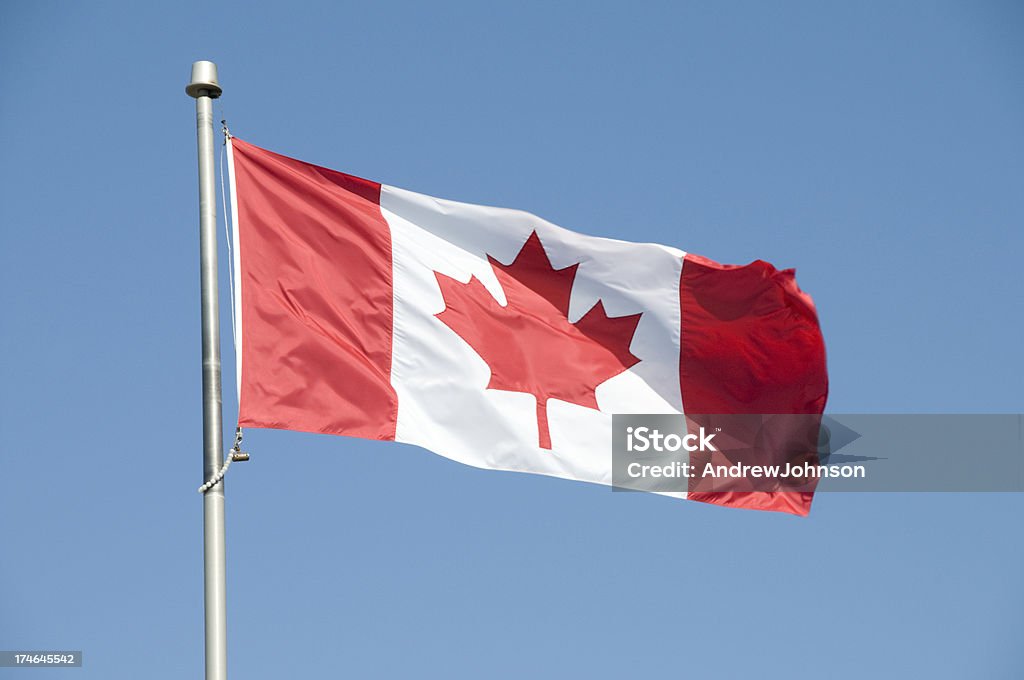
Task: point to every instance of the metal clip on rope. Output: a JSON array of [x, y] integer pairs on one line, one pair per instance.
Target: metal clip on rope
[[234, 454]]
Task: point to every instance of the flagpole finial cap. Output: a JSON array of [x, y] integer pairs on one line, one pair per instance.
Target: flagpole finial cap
[[204, 81]]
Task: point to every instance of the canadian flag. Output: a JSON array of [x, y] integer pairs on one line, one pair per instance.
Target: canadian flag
[[491, 336]]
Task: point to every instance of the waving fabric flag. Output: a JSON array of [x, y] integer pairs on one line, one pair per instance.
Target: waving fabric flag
[[491, 336]]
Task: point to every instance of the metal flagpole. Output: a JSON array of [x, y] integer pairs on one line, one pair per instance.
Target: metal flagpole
[[205, 88]]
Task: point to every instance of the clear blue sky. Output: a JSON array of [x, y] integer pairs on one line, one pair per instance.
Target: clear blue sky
[[878, 147]]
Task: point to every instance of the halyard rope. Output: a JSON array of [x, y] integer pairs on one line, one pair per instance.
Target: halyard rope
[[227, 230]]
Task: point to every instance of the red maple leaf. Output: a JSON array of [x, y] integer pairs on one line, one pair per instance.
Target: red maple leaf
[[529, 344]]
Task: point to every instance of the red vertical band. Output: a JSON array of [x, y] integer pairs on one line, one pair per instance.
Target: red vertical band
[[316, 298], [750, 344]]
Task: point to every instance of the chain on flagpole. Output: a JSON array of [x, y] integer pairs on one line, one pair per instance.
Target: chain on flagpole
[[236, 454]]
